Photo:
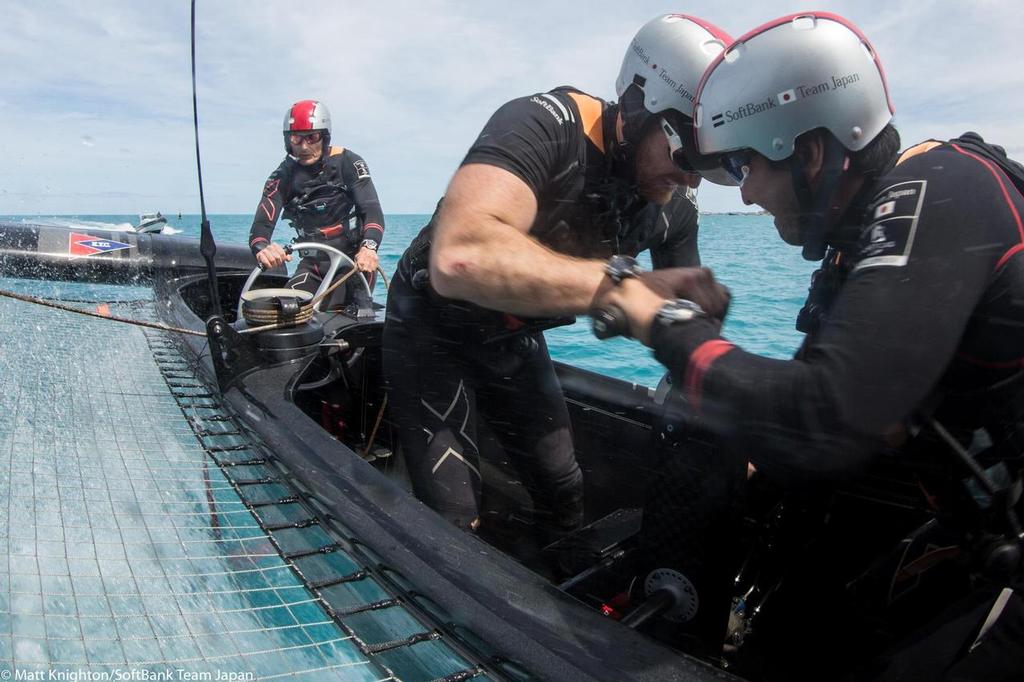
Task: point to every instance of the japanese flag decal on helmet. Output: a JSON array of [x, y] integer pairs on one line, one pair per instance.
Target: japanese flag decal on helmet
[[666, 59], [797, 73], [660, 73]]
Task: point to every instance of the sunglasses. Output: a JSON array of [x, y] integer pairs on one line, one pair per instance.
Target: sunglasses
[[675, 148], [737, 164], [305, 138]]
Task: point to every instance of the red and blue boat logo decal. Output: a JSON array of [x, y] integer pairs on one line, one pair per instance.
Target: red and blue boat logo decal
[[88, 245]]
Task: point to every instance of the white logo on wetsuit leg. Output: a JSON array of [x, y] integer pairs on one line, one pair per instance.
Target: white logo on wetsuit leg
[[877, 234], [298, 281], [459, 399], [885, 209], [456, 455]]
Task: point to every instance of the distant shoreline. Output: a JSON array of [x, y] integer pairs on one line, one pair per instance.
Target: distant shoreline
[[747, 213]]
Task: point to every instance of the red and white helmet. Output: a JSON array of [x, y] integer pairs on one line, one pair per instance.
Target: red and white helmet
[[797, 73], [306, 116], [793, 75]]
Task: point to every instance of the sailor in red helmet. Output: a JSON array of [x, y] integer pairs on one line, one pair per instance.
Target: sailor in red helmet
[[326, 193]]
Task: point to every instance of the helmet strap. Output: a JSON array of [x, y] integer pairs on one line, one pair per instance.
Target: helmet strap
[[814, 205], [634, 114], [634, 117]]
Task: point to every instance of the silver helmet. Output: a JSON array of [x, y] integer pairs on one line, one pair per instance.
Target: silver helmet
[[660, 74], [795, 74], [798, 73]]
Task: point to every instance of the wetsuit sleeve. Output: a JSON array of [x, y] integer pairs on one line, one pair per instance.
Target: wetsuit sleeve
[[364, 196], [925, 258], [268, 211], [530, 137], [677, 225]]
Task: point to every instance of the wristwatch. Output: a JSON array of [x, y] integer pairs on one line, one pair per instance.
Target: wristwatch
[[621, 267], [678, 310], [369, 244]]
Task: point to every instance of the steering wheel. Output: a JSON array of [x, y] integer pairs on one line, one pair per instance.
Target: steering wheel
[[336, 259]]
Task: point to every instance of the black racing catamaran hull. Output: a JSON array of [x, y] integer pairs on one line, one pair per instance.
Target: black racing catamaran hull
[[513, 622], [519, 615], [88, 255]]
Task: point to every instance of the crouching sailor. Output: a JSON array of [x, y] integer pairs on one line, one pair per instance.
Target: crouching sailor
[[898, 428], [556, 183]]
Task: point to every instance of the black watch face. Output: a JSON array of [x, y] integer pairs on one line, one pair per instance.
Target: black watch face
[[620, 267]]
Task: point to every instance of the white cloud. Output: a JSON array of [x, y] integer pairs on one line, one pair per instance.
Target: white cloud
[[409, 85]]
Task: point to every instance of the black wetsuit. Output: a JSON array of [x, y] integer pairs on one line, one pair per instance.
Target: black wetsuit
[[449, 363], [917, 318], [332, 201]]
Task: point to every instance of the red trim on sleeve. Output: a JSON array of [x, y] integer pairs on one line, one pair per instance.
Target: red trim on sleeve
[[257, 240], [373, 232], [1009, 254], [268, 208], [267, 203], [700, 363], [998, 175]]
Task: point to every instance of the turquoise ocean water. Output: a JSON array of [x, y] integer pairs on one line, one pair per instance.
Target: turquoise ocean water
[[768, 280]]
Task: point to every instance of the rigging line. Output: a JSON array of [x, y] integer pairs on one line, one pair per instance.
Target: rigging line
[[334, 286], [25, 298], [207, 246], [376, 425]]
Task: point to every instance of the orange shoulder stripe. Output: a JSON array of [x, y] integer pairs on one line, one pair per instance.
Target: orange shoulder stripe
[[590, 116], [916, 150], [336, 150]]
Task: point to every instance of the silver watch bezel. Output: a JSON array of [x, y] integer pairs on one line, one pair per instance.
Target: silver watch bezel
[[675, 311]]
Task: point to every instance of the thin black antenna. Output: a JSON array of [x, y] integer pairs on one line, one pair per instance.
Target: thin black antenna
[[207, 247]]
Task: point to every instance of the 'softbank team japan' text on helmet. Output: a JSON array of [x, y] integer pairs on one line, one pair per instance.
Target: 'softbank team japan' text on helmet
[[795, 74], [660, 74]]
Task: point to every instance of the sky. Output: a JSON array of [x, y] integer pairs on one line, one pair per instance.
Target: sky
[[96, 100]]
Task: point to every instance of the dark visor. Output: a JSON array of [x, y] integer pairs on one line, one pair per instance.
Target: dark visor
[[737, 164]]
